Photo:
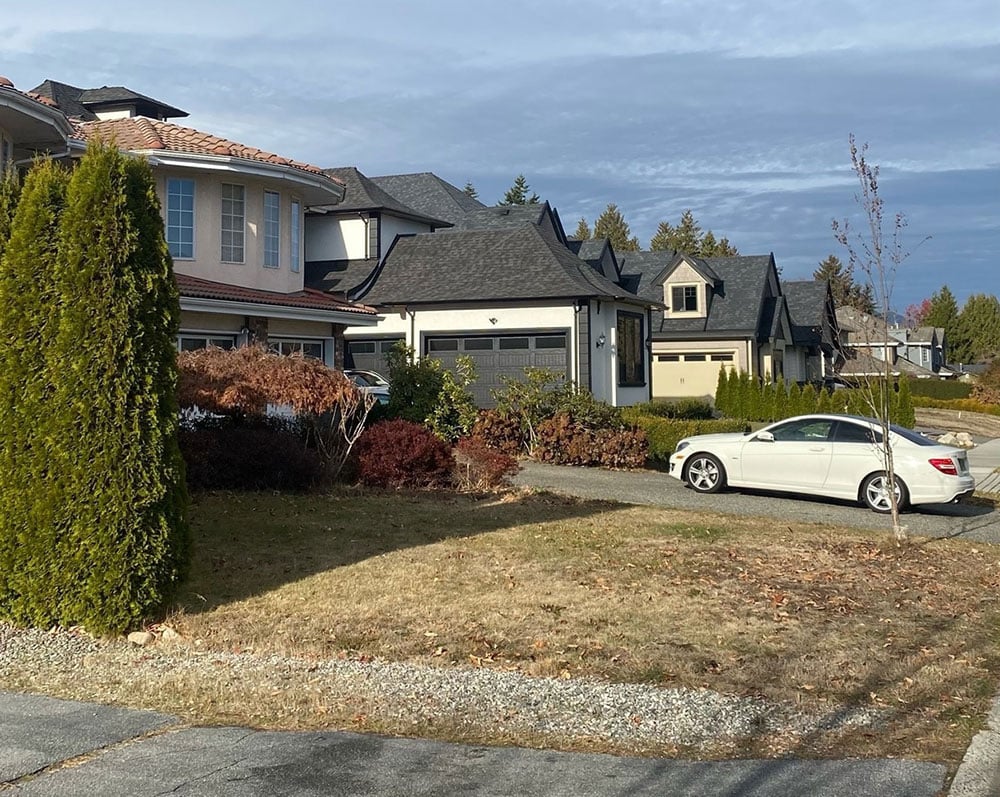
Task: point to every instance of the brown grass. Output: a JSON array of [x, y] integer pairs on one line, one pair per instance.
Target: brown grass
[[816, 615]]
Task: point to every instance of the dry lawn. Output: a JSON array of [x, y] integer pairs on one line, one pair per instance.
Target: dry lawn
[[818, 615]]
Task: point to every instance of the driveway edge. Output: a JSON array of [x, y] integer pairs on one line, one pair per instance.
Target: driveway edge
[[979, 773]]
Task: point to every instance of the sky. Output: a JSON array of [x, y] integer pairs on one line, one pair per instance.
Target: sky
[[740, 111]]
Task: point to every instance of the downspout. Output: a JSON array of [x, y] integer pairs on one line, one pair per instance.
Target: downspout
[[368, 244]]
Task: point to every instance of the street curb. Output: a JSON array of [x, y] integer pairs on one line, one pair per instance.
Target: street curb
[[979, 773]]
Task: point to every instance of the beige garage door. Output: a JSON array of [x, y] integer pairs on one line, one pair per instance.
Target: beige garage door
[[689, 373]]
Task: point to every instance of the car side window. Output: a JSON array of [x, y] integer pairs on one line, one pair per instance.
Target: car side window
[[853, 433], [806, 430]]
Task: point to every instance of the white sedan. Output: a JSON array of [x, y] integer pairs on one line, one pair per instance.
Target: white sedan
[[835, 456]]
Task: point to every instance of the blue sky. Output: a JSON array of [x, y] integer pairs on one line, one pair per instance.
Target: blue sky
[[740, 111]]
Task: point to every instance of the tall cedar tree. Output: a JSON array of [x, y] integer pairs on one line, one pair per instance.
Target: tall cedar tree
[[29, 315], [846, 291], [517, 194], [582, 230], [113, 417], [978, 329], [470, 190], [688, 238], [611, 224], [943, 313]]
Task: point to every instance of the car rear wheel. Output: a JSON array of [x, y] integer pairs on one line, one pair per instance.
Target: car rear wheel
[[705, 474], [875, 493]]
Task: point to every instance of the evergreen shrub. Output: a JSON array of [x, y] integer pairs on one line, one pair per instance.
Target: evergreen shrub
[[663, 434]]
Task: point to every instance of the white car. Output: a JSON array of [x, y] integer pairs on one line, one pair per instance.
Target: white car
[[835, 456], [370, 382]]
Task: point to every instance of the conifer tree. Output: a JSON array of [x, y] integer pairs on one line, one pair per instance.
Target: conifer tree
[[470, 190], [611, 224], [29, 315], [517, 194], [582, 230], [722, 391], [113, 418]]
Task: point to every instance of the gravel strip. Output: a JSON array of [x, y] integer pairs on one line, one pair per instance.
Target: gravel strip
[[501, 700]]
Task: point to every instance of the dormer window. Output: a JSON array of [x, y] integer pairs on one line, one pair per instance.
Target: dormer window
[[684, 298]]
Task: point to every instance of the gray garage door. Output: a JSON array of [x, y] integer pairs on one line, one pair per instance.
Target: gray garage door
[[368, 354], [500, 356]]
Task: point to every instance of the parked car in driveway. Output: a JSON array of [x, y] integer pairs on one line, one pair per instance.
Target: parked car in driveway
[[370, 382], [836, 456]]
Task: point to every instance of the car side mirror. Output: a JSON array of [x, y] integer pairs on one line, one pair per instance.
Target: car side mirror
[[765, 437]]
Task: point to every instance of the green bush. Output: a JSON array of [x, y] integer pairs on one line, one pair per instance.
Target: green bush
[[663, 434], [455, 412], [940, 388], [108, 540], [415, 385], [690, 409]]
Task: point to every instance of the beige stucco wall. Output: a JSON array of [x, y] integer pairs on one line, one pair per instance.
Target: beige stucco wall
[[207, 261], [334, 238], [694, 379]]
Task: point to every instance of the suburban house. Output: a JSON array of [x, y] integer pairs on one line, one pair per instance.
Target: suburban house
[[234, 218], [497, 284], [920, 353], [816, 354], [718, 312], [30, 125]]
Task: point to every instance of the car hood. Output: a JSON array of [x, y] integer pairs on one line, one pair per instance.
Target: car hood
[[719, 437]]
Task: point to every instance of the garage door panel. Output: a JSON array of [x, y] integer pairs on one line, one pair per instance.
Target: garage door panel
[[688, 374], [369, 354]]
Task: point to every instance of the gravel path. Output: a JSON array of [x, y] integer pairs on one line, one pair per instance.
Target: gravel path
[[501, 702]]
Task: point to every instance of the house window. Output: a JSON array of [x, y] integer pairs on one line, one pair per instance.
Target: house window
[[684, 298], [296, 231], [194, 342], [233, 222], [290, 346], [180, 218], [272, 228], [443, 344], [631, 357]]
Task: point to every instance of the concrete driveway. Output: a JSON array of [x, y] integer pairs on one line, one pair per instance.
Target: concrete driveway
[[970, 521]]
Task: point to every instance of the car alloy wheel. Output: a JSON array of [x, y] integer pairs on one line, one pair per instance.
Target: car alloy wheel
[[875, 493], [705, 474]]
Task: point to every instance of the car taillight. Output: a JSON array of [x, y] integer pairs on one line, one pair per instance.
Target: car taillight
[[945, 466]]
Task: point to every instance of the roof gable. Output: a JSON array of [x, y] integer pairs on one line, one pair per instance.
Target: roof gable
[[427, 193], [361, 193], [85, 104]]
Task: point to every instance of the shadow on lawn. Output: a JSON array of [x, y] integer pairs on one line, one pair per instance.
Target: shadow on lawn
[[246, 544]]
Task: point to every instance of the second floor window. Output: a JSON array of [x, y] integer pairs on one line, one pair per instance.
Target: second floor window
[[684, 298], [272, 228], [296, 233], [233, 222], [180, 217]]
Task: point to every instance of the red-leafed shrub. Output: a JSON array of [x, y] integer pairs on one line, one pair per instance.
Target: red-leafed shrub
[[479, 467], [562, 441], [501, 432], [403, 454]]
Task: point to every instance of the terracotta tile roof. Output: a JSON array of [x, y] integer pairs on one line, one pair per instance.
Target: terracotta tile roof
[[6, 83], [141, 133], [197, 288]]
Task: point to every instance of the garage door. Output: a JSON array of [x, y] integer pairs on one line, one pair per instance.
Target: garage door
[[682, 374], [499, 356], [368, 354]]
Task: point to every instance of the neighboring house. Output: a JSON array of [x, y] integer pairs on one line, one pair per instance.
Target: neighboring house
[[869, 345], [30, 125], [345, 243], [498, 284], [719, 312], [235, 221], [816, 353]]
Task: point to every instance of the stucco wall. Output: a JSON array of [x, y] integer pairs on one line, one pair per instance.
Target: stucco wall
[[333, 238]]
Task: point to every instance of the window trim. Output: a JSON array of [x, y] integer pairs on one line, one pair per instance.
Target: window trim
[[295, 233], [639, 342], [274, 344], [685, 287], [270, 234], [194, 218], [242, 231]]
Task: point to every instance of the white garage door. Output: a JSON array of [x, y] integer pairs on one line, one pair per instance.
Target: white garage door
[[687, 374]]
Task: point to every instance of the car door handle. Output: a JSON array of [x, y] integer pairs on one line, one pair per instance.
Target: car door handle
[[817, 448]]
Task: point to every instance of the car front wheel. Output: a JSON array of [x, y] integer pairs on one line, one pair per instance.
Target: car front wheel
[[705, 474], [875, 493]]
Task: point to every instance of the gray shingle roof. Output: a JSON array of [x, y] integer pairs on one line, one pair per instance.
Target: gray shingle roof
[[807, 308], [427, 193], [363, 194], [338, 276], [82, 103], [737, 301], [520, 263]]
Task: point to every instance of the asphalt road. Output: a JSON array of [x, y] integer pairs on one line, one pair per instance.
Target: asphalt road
[[965, 520]]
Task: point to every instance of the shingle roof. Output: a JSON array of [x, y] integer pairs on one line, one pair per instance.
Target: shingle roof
[[197, 288], [502, 217], [363, 194], [140, 133], [427, 193], [77, 102], [486, 265], [338, 276], [807, 308]]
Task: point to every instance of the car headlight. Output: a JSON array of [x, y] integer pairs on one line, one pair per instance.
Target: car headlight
[[681, 446]]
